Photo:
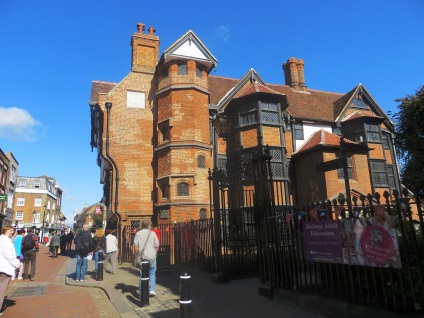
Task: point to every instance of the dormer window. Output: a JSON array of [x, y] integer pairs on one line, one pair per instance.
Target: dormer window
[[22, 184], [37, 184]]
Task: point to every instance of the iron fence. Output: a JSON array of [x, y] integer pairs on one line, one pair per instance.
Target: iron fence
[[394, 284]]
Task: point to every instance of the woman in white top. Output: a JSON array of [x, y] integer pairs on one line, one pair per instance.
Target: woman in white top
[[8, 261]]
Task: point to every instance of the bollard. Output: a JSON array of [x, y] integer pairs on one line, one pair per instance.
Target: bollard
[[185, 299], [144, 283], [99, 274]]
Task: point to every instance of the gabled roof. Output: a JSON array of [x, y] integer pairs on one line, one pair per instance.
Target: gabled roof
[[344, 105], [321, 138], [189, 46], [361, 114], [100, 87], [313, 104], [234, 87], [256, 87]]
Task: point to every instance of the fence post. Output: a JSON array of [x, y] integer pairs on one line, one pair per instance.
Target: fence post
[[99, 274], [144, 283], [185, 299]]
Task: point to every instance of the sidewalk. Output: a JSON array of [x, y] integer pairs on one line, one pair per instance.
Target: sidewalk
[[48, 296], [236, 299]]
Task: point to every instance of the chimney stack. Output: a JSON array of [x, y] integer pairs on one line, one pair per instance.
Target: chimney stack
[[145, 50], [294, 74]]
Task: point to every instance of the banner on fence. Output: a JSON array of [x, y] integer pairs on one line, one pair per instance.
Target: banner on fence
[[356, 242]]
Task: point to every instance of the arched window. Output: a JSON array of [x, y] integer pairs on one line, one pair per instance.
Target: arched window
[[201, 161], [182, 189], [22, 184]]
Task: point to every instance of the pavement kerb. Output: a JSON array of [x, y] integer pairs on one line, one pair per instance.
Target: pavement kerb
[[116, 298]]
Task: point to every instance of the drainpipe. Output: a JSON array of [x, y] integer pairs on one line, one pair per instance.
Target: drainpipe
[[108, 106]]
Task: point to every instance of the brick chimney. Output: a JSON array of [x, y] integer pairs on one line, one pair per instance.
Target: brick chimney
[[294, 74], [145, 50]]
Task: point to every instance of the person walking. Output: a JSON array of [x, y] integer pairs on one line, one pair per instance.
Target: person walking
[[99, 246], [17, 241], [147, 241], [111, 250], [63, 242], [8, 262], [30, 249], [54, 244], [83, 245]]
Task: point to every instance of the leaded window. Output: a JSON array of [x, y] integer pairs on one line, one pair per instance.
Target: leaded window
[[202, 214], [269, 113], [222, 163], [385, 141], [340, 172], [372, 132], [248, 119], [248, 114], [182, 69], [298, 131], [359, 103], [164, 214], [182, 189], [391, 176], [201, 161], [277, 168], [379, 173]]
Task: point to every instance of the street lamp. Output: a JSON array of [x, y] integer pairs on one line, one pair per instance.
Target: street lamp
[[222, 125], [33, 218], [42, 224]]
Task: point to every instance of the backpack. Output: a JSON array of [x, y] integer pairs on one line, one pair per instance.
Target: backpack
[[28, 242], [86, 244]]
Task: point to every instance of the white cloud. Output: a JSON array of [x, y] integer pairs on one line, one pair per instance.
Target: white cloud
[[222, 33], [17, 124]]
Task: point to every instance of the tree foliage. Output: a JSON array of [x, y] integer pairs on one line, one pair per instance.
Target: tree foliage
[[410, 139]]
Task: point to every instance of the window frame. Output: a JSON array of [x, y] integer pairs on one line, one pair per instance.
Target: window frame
[[201, 162], [370, 131], [182, 69], [298, 127], [22, 184], [183, 192], [20, 201], [19, 215]]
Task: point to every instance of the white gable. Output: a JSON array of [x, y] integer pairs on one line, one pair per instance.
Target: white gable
[[190, 49]]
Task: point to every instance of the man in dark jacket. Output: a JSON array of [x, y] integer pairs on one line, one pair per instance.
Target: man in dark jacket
[[30, 255], [81, 241]]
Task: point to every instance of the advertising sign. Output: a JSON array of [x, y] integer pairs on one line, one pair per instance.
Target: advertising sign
[[360, 241]]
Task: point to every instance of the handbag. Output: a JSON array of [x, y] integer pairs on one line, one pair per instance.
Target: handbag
[[138, 259]]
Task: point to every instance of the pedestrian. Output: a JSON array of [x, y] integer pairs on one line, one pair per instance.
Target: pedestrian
[[8, 262], [99, 246], [63, 242], [147, 241], [17, 241], [83, 245], [69, 238], [54, 244], [111, 250], [30, 250]]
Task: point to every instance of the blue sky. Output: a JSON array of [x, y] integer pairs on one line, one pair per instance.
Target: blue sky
[[51, 50]]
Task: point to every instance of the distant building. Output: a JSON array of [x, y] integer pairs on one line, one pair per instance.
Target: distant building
[[13, 174], [38, 204], [155, 137], [4, 185], [91, 215]]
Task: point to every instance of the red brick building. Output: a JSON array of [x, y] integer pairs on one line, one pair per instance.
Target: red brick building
[[155, 140]]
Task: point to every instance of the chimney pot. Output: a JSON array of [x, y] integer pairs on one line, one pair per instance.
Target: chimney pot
[[151, 30], [140, 27]]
